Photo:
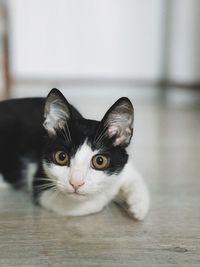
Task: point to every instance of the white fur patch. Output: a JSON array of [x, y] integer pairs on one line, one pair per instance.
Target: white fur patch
[[133, 194], [28, 171], [98, 189], [3, 184]]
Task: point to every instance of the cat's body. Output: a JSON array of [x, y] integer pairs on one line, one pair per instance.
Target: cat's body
[[73, 166]]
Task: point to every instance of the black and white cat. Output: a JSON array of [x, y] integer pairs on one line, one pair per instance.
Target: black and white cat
[[74, 166]]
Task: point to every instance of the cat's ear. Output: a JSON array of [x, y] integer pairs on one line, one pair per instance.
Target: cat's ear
[[56, 111], [118, 122]]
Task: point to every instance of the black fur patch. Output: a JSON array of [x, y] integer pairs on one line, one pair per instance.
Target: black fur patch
[[82, 130], [22, 135]]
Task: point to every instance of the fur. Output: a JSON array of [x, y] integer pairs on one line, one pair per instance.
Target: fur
[[32, 130]]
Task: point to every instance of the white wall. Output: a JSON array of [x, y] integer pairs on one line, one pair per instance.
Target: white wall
[[90, 38], [184, 61]]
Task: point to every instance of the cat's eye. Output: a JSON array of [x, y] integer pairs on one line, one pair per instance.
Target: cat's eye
[[61, 158], [100, 162]]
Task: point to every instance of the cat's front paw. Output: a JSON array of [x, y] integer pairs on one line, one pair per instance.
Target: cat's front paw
[[138, 205]]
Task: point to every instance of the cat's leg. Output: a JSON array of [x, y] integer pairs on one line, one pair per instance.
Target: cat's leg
[[133, 194]]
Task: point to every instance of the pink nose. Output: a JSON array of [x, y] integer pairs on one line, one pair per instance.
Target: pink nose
[[76, 184]]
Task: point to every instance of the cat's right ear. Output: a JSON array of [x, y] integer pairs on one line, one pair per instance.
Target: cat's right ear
[[56, 111], [118, 122]]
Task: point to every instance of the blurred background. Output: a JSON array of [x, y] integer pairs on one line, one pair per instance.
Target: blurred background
[[101, 47]]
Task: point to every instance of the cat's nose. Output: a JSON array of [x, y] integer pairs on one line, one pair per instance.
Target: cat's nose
[[76, 184]]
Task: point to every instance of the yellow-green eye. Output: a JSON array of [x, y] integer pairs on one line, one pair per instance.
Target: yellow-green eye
[[61, 158], [100, 162]]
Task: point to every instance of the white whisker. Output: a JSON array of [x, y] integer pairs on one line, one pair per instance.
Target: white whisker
[[65, 136], [45, 186], [99, 136], [69, 135]]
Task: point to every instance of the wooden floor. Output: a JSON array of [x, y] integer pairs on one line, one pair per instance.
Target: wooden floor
[[167, 151]]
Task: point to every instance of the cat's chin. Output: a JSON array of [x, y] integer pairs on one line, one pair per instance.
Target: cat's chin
[[76, 196]]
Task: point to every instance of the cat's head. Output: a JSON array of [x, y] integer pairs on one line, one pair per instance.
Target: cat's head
[[81, 156]]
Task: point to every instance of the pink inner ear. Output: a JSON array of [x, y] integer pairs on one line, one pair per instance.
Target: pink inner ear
[[122, 135], [113, 130], [120, 140]]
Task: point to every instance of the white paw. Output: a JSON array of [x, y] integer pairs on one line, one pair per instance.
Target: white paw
[[138, 206]]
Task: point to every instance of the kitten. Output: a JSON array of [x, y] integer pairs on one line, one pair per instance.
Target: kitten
[[74, 166]]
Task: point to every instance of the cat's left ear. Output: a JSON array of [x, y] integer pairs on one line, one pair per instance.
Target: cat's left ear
[[56, 111], [118, 122]]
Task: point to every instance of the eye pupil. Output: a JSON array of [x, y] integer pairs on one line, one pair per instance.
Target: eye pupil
[[99, 160], [62, 156]]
